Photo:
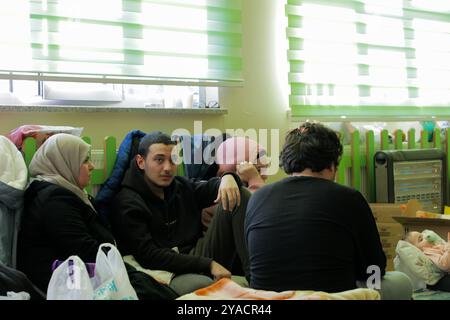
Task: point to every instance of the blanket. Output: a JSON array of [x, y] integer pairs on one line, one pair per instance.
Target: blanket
[[163, 277], [226, 289]]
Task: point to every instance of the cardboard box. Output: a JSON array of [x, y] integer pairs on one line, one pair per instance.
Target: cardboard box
[[383, 212], [390, 255], [387, 229], [390, 242], [389, 216], [440, 226], [390, 265]]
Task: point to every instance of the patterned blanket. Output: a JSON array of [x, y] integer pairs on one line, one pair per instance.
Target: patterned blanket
[[226, 289]]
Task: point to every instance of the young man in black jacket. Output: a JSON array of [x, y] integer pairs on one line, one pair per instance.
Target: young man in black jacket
[[156, 217]]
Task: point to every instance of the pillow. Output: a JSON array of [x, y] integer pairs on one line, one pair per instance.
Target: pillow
[[412, 261]]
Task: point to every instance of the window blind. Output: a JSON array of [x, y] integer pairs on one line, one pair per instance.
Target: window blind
[[123, 40], [368, 53]]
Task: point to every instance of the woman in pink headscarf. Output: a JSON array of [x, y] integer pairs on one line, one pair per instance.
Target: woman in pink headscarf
[[245, 157]]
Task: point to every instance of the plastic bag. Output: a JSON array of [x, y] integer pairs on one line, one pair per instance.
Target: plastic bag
[[71, 281], [11, 295], [40, 133]]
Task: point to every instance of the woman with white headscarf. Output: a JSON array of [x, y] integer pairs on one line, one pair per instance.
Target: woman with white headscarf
[[59, 218]]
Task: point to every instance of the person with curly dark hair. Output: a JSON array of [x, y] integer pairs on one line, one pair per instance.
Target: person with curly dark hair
[[307, 232]]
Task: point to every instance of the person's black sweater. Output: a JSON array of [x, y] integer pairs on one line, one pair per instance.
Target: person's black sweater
[[306, 233], [56, 224], [148, 227]]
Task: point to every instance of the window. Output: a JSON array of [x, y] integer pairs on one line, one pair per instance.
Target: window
[[151, 42], [4, 86], [366, 55]]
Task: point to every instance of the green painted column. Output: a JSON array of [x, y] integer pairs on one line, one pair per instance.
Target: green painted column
[[370, 166], [384, 144], [356, 161], [437, 138], [411, 138], [343, 166], [447, 156], [28, 149], [398, 139], [424, 144], [109, 155]]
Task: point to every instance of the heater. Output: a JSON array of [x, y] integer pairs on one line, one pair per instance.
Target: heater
[[419, 174]]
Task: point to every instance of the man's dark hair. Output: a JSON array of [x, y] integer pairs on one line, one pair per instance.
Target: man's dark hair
[[312, 146], [152, 138]]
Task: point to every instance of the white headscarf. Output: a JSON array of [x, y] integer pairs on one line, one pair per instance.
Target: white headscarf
[[59, 160]]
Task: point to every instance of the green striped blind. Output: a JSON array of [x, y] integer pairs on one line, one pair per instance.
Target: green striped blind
[[373, 53], [173, 40]]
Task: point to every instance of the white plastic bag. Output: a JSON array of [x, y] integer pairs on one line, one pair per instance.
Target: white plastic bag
[[111, 280], [11, 295], [70, 281]]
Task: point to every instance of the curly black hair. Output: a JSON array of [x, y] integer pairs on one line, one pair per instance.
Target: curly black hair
[[312, 146], [153, 138]]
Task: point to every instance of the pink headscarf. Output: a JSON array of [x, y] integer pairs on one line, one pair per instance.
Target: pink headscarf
[[235, 150], [230, 153]]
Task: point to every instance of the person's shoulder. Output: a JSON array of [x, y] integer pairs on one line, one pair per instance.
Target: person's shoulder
[[184, 180], [340, 188], [183, 184], [126, 195], [343, 188], [268, 188], [349, 196], [53, 201], [48, 190]]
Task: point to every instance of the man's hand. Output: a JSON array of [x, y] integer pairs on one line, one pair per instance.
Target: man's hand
[[228, 193], [218, 271]]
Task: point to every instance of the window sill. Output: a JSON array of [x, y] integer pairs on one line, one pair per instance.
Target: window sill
[[62, 108], [368, 113]]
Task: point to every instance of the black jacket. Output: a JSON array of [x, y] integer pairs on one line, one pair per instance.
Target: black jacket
[[306, 233], [56, 225], [148, 227]]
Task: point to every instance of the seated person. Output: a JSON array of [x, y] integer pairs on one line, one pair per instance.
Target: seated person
[[235, 153], [244, 157], [307, 232], [59, 219], [156, 217], [439, 253]]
